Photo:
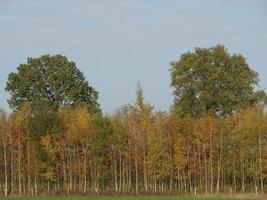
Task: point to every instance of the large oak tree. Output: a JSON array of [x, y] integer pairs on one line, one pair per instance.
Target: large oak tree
[[213, 80], [52, 81]]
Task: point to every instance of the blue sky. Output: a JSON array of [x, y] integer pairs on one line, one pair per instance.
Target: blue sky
[[117, 43]]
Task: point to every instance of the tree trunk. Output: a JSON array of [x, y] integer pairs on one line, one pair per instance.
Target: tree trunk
[[145, 168], [120, 181], [35, 184], [11, 163], [48, 187], [136, 171], [85, 169], [115, 170], [28, 158], [85, 175], [5, 165], [211, 161], [136, 162], [260, 159], [19, 163], [219, 165], [206, 172], [129, 167]]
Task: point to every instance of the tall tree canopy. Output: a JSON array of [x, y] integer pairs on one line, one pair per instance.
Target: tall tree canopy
[[50, 80], [213, 80]]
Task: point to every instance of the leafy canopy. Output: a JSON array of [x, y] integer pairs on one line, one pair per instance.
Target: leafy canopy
[[50, 80], [213, 80]]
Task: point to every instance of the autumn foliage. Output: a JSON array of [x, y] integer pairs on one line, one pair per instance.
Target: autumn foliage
[[212, 140], [135, 150]]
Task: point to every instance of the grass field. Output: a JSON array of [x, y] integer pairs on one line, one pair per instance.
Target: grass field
[[116, 198]]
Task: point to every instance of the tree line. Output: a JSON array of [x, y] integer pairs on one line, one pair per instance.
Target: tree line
[[212, 140]]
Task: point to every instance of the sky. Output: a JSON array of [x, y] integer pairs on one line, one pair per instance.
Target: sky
[[118, 43]]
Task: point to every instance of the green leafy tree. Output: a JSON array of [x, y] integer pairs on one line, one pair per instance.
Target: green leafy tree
[[50, 80], [102, 128], [213, 80]]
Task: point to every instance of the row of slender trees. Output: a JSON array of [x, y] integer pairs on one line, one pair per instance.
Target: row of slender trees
[[212, 140], [135, 150]]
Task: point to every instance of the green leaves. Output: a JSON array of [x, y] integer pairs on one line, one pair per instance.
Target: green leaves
[[50, 80], [212, 80]]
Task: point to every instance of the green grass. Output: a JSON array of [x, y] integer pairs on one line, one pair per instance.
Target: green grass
[[114, 198]]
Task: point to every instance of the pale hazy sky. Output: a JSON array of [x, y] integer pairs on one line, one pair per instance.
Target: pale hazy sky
[[116, 43]]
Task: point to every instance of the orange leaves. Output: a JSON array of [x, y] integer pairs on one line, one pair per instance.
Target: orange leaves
[[205, 129]]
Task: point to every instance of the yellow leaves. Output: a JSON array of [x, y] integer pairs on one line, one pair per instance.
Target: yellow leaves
[[77, 123], [46, 142], [249, 126], [2, 117], [83, 118], [25, 109], [180, 153], [17, 122], [264, 160], [49, 175], [48, 146]]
